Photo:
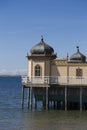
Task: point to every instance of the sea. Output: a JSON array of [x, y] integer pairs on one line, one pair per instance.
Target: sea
[[13, 117]]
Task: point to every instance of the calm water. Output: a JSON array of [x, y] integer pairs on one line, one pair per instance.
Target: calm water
[[12, 117]]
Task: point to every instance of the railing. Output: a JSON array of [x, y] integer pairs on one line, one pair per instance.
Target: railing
[[61, 80]]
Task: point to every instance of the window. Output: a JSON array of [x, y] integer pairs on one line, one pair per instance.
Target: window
[[37, 70], [78, 72]]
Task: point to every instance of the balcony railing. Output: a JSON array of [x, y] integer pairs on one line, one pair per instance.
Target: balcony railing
[[61, 80]]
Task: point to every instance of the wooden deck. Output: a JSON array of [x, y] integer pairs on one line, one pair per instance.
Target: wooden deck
[[65, 90], [56, 80]]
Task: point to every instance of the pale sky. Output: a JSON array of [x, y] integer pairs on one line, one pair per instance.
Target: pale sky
[[63, 24]]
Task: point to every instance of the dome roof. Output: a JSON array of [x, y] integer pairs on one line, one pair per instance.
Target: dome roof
[[42, 48], [78, 57]]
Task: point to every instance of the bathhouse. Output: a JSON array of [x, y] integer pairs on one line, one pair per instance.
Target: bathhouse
[[53, 82]]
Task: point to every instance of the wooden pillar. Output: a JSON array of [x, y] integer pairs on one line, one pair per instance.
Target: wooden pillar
[[80, 98], [35, 103], [34, 99], [30, 102], [28, 96], [46, 98], [54, 104], [57, 105], [65, 98], [22, 96]]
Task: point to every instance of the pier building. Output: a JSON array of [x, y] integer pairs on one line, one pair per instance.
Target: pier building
[[56, 83]]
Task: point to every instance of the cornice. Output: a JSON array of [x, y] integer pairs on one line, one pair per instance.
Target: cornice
[[77, 64], [59, 62]]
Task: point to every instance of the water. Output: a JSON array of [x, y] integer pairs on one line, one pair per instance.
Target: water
[[12, 117]]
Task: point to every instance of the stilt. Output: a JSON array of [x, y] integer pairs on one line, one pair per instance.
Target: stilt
[[51, 104], [54, 104], [30, 102], [80, 98], [22, 96], [35, 99], [46, 98], [57, 105], [65, 98], [35, 103], [28, 96]]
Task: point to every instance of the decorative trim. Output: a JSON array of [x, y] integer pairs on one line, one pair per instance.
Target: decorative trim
[[59, 62]]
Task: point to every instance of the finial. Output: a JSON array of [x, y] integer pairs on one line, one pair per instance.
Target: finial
[[77, 48], [67, 56], [41, 38]]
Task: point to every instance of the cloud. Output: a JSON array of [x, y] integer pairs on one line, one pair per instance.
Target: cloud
[[13, 72]]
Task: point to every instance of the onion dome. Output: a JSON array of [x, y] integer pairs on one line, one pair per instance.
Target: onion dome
[[42, 48], [78, 57]]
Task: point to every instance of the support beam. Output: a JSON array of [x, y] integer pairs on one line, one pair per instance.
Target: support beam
[[46, 98], [35, 104], [34, 99], [80, 98], [30, 102], [22, 96], [28, 96], [65, 98]]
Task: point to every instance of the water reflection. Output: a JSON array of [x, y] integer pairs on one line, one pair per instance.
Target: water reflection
[[50, 120]]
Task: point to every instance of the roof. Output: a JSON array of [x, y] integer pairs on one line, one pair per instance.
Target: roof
[[78, 57], [42, 48]]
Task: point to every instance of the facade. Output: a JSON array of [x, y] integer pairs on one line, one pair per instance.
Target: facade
[[57, 83]]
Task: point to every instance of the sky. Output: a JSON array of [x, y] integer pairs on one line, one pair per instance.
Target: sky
[[62, 23]]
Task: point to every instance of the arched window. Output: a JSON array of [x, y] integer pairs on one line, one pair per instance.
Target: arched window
[[37, 70]]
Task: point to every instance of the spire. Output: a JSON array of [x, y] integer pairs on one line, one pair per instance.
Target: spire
[[67, 55], [41, 38], [77, 48]]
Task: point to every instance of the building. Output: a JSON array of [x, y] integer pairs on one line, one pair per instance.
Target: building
[[57, 83]]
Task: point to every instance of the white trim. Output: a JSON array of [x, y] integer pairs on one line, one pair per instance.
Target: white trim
[[61, 80]]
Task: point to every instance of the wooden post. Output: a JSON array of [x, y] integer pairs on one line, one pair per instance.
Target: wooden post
[[28, 96], [22, 96], [34, 99], [80, 98], [65, 98], [35, 103], [35, 93], [46, 98], [30, 102], [54, 104]]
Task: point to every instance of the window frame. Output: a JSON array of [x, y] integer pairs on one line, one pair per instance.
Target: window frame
[[37, 70], [79, 72]]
